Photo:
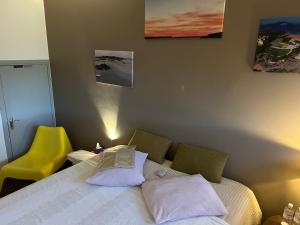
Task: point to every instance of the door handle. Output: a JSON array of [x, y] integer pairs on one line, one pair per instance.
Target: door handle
[[12, 123]]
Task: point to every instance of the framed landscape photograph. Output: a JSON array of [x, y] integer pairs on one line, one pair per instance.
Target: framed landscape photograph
[[184, 18], [278, 45], [114, 67]]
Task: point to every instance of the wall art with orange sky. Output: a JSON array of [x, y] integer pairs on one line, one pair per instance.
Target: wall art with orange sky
[[184, 18]]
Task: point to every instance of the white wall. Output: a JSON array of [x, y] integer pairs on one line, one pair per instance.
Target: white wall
[[23, 30], [3, 155], [22, 37]]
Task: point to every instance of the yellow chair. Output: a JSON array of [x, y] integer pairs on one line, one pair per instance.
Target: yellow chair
[[47, 154]]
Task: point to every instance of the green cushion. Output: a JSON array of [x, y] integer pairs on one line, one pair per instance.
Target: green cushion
[[194, 160], [156, 146]]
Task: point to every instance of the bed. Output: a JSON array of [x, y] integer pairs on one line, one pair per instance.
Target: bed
[[65, 198]]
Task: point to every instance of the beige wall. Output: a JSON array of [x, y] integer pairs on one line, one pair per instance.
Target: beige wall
[[202, 92], [22, 30]]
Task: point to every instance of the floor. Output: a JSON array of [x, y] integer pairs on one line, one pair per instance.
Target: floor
[[11, 185]]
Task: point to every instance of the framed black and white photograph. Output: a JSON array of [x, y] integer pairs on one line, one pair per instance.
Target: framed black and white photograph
[[114, 67]]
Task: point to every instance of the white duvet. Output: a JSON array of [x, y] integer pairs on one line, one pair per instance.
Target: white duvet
[[65, 199]]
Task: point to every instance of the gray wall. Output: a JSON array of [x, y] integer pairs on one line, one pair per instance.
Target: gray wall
[[201, 92]]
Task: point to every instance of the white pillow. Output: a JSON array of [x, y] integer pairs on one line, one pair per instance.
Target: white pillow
[[175, 198], [121, 177]]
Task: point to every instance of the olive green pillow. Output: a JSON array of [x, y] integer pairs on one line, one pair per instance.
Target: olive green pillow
[[193, 160], [156, 146]]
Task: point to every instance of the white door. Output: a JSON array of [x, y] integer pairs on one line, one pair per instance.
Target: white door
[[28, 102], [3, 153]]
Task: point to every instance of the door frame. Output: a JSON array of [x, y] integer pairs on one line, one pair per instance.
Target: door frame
[[5, 120]]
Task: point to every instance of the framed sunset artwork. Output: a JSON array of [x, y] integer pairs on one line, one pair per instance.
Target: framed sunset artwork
[[184, 18]]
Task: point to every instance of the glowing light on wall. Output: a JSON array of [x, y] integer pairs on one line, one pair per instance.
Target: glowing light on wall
[[282, 129], [107, 104], [282, 135], [110, 120]]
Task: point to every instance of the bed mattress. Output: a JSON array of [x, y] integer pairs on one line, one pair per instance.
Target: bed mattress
[[64, 198]]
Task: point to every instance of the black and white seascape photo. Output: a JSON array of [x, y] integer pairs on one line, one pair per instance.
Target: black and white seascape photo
[[114, 67]]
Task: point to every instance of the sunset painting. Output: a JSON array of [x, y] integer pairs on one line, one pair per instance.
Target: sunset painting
[[184, 18]]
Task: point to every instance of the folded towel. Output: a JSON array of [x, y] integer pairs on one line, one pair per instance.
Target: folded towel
[[121, 156]]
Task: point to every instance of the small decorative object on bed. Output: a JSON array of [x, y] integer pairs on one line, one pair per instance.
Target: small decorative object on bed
[[181, 197], [188, 18], [98, 148], [114, 67], [278, 45]]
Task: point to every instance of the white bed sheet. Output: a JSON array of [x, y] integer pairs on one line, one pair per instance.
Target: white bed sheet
[[65, 199]]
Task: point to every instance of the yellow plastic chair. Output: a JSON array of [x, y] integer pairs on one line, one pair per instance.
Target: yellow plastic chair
[[47, 154]]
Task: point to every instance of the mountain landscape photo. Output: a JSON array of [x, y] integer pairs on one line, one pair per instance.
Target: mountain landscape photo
[[278, 45]]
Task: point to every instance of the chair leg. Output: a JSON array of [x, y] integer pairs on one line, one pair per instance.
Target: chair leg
[[2, 178]]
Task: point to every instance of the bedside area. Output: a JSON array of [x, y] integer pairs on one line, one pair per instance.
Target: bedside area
[[79, 156], [273, 220]]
